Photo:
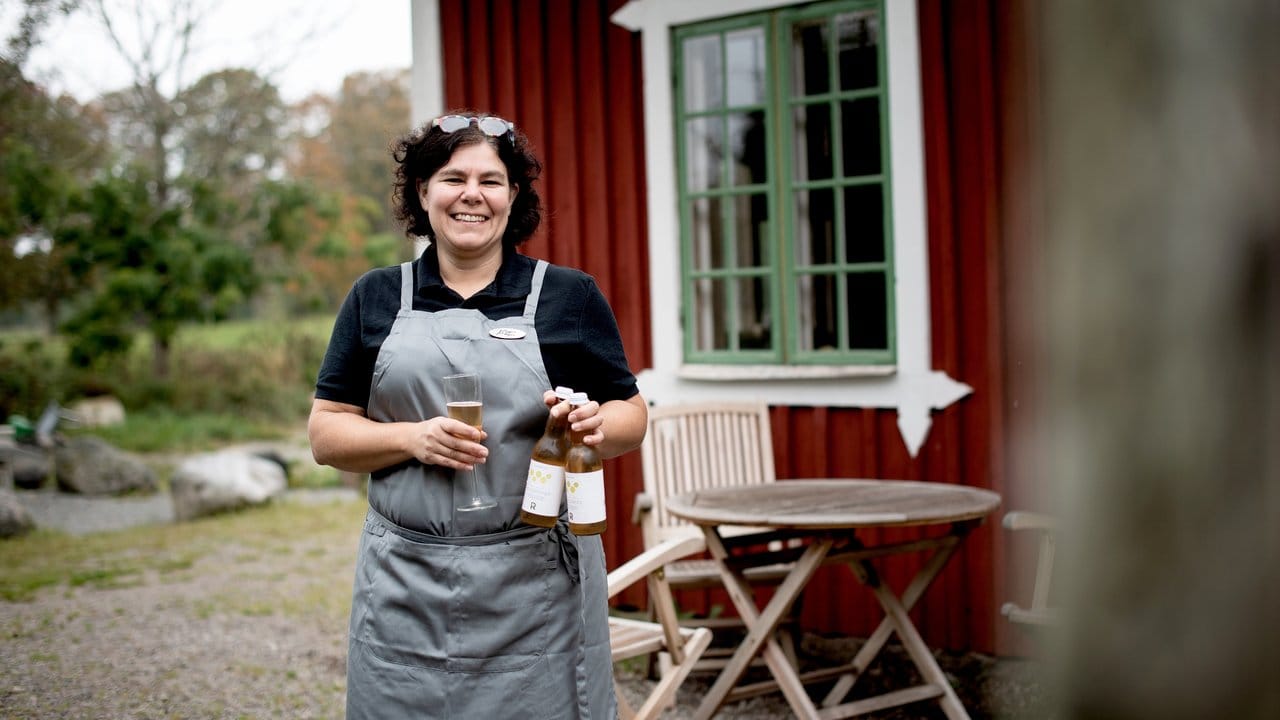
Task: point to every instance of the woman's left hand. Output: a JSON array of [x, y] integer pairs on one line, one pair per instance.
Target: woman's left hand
[[583, 418]]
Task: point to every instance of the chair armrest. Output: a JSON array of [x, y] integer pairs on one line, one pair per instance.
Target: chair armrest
[[1023, 520], [640, 566], [644, 503]]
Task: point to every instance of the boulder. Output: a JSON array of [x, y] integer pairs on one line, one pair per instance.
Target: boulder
[[92, 466], [26, 466], [14, 518], [97, 411], [221, 481]]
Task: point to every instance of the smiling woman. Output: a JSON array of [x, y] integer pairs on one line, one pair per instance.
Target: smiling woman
[[471, 304]]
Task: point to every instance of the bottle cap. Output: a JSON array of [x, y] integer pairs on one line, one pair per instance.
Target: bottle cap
[[563, 392], [578, 398]]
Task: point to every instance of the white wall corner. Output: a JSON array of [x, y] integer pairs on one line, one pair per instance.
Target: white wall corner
[[426, 81]]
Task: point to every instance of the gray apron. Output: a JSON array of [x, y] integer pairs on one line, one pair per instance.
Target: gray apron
[[472, 615]]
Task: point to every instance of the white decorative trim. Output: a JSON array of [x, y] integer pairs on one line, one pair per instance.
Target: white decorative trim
[[426, 84], [914, 388]]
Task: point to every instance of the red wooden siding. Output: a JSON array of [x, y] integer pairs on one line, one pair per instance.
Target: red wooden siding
[[572, 81]]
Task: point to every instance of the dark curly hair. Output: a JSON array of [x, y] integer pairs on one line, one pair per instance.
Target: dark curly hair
[[420, 153]]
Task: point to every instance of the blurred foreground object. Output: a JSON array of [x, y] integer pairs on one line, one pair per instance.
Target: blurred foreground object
[[1162, 160]]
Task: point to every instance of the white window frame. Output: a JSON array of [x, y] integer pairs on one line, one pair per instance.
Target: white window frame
[[911, 386]]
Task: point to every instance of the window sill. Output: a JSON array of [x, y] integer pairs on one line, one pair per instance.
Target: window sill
[[732, 373]]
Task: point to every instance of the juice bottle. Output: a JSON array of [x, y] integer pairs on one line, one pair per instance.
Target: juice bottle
[[584, 482], [544, 485]]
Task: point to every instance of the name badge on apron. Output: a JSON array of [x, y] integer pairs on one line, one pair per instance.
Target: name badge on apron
[[503, 333]]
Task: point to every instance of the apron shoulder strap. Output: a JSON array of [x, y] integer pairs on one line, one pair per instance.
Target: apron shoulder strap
[[535, 290], [406, 286]]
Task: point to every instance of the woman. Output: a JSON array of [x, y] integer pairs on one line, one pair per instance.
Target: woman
[[471, 614]]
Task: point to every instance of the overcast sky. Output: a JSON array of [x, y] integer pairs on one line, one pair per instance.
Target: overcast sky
[[317, 43]]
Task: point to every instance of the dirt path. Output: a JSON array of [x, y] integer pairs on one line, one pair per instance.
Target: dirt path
[[256, 629]]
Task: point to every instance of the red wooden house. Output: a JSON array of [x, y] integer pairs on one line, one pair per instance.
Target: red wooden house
[[817, 204]]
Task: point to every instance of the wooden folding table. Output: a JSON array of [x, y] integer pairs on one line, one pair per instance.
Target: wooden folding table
[[820, 520]]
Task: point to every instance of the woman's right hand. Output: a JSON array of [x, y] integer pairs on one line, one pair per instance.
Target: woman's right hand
[[448, 443]]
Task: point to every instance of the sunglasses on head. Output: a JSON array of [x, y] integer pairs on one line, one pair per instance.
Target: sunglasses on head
[[489, 125]]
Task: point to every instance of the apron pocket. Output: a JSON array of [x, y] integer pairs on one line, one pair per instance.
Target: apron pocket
[[458, 608]]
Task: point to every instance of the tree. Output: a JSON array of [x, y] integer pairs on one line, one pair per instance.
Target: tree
[[35, 16], [50, 149], [371, 112], [344, 143]]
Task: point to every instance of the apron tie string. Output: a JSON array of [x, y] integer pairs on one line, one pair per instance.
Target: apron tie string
[[567, 546]]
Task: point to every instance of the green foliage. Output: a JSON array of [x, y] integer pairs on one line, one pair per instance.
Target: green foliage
[[166, 431], [31, 372], [225, 382]]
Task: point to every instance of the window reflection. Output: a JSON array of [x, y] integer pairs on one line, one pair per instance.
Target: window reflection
[[868, 310], [864, 223], [747, 135], [857, 37], [704, 143], [744, 53], [703, 74], [812, 75], [860, 136], [814, 240], [754, 324], [706, 227], [710, 331], [811, 130]]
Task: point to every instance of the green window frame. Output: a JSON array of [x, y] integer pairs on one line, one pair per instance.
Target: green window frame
[[782, 140]]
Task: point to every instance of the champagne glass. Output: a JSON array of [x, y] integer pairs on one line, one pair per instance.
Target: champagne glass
[[464, 402]]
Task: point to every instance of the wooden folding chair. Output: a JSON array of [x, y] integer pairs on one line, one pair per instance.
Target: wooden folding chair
[[697, 446], [1041, 611], [681, 647]]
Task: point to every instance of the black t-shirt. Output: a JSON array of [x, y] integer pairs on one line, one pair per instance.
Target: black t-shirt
[[577, 332]]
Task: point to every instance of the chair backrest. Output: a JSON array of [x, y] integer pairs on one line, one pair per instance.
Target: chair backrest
[[695, 446]]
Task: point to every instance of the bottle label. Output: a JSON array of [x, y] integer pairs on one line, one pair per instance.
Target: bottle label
[[586, 496], [543, 489]]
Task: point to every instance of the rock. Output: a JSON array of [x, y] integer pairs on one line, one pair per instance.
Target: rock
[[221, 481], [14, 518], [92, 466], [97, 411], [28, 466]]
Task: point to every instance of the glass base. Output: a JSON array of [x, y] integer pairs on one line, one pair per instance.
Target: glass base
[[477, 504]]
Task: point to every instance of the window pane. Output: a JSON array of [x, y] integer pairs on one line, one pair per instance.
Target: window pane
[[751, 216], [709, 320], [868, 312], [861, 136], [754, 331], [817, 312], [811, 73], [857, 35], [703, 73], [707, 232], [704, 143], [812, 137], [746, 132], [864, 223], [814, 239], [744, 50]]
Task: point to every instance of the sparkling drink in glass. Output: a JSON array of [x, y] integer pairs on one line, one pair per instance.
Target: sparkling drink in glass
[[465, 403]]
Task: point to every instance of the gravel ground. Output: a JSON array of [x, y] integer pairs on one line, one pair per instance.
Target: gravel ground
[[167, 646]]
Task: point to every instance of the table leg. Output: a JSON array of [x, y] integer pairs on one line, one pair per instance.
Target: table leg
[[761, 627], [898, 620], [915, 589], [915, 645]]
